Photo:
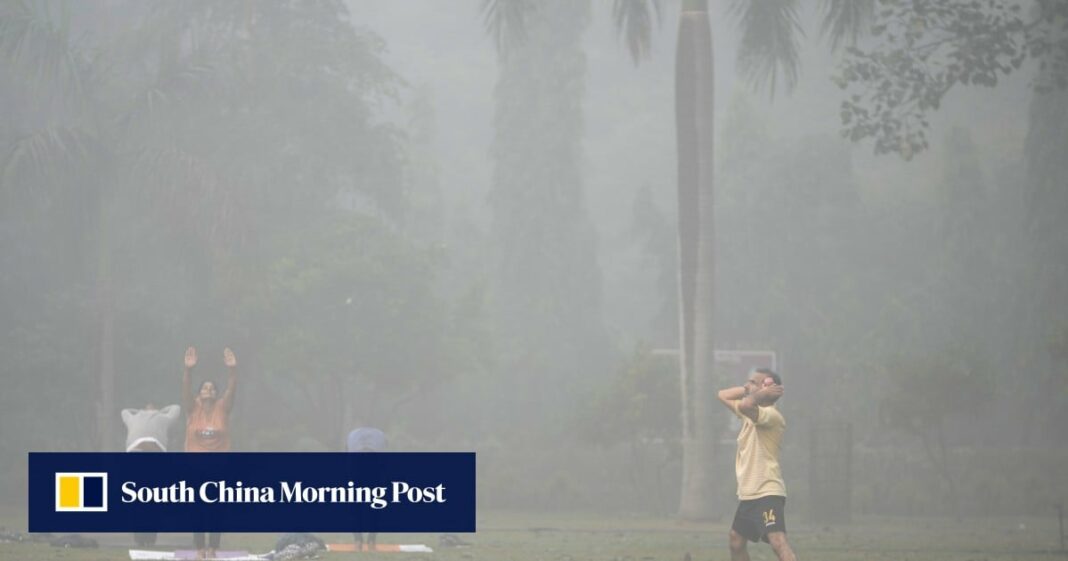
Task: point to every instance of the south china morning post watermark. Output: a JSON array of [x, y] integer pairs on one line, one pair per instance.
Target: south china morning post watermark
[[81, 492], [211, 492], [251, 492]]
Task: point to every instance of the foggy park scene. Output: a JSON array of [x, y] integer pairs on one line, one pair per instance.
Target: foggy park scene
[[652, 261]]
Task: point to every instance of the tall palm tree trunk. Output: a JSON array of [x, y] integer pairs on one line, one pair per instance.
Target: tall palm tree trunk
[[694, 133]]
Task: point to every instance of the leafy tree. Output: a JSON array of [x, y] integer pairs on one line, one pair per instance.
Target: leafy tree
[[1043, 271], [548, 296], [653, 229], [639, 410], [212, 131], [923, 393], [363, 331], [922, 49]]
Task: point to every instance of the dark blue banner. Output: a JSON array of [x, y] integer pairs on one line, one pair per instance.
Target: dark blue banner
[[252, 492]]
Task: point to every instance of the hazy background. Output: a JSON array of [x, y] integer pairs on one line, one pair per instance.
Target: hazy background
[[392, 227]]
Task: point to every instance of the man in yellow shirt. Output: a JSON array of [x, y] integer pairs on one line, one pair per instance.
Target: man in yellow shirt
[[761, 492]]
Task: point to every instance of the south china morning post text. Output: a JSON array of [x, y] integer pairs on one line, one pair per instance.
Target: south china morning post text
[[252, 492], [210, 492]]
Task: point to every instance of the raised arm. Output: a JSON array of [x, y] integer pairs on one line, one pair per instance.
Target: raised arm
[[729, 395], [187, 379], [736, 399], [739, 401], [231, 384], [750, 405]]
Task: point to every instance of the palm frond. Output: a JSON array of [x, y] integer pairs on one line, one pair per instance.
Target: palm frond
[[769, 45], [505, 21], [49, 154], [845, 21], [31, 39], [176, 84], [189, 192], [634, 22]]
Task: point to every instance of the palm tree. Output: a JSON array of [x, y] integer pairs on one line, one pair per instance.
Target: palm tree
[[92, 153], [769, 55], [158, 121], [694, 133], [62, 149]]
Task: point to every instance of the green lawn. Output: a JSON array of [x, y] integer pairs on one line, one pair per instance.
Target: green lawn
[[506, 536]]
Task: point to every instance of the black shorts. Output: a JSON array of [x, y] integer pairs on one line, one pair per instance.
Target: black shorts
[[756, 518]]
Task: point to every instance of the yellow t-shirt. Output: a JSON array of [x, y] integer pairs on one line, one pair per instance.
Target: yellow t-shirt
[[757, 460]]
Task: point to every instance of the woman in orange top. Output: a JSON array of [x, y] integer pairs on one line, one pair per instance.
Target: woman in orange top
[[207, 425]]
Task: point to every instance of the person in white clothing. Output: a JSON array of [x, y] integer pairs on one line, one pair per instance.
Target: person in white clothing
[[146, 431], [147, 428]]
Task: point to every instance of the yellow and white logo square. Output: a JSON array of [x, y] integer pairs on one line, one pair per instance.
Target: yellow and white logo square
[[82, 492]]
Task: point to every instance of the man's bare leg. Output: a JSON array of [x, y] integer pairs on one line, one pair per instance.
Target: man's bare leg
[[738, 547], [781, 546]]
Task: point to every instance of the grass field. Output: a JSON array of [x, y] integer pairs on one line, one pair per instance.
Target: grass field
[[506, 536]]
